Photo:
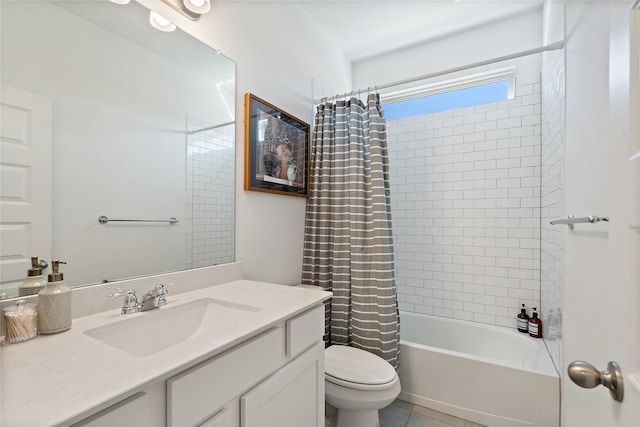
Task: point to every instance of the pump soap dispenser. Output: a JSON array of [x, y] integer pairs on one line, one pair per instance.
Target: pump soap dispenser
[[523, 320], [54, 303], [535, 325], [35, 279]]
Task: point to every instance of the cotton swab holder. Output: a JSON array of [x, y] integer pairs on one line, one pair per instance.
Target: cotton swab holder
[[21, 322]]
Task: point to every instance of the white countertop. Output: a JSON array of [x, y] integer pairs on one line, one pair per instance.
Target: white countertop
[[63, 378]]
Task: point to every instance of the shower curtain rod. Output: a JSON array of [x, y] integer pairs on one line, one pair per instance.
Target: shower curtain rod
[[191, 132], [545, 48]]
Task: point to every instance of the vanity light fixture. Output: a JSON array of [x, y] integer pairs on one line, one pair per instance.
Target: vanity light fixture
[[120, 1], [160, 22], [198, 6], [192, 9]]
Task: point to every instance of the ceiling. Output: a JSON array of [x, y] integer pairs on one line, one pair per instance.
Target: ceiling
[[368, 28]]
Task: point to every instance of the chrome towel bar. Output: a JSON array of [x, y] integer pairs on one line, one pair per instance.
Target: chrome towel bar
[[572, 220], [102, 219]]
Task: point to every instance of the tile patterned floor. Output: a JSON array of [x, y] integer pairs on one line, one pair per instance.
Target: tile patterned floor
[[403, 414]]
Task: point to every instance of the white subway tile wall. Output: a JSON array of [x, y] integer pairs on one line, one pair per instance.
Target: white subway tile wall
[[552, 201], [210, 196], [465, 188]]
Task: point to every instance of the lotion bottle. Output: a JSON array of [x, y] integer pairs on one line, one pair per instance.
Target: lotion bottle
[[54, 304], [535, 324], [523, 320], [35, 279]]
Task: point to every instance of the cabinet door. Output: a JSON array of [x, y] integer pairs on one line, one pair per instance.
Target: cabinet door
[[199, 393], [142, 409], [292, 397]]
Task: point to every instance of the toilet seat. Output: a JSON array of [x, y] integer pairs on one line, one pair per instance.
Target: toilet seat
[[357, 369]]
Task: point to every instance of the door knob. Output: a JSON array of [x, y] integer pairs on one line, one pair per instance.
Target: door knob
[[586, 375]]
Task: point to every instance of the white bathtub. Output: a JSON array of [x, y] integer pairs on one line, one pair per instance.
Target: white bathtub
[[487, 374]]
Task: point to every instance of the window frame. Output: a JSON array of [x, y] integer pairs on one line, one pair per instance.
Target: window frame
[[454, 84]]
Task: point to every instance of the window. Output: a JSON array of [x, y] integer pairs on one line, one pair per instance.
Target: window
[[450, 95]]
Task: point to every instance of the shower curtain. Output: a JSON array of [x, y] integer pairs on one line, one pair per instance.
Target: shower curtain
[[348, 245]]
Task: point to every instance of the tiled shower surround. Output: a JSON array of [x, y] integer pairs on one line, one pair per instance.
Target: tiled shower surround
[[210, 196], [465, 188], [552, 201]]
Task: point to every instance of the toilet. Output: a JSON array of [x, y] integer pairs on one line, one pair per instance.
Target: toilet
[[358, 384]]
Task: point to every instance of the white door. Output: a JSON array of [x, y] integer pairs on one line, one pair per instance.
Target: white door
[[25, 178], [602, 177]]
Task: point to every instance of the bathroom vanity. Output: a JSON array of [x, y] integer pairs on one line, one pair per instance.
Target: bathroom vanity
[[240, 353]]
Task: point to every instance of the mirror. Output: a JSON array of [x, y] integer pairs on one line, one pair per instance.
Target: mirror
[[142, 127]]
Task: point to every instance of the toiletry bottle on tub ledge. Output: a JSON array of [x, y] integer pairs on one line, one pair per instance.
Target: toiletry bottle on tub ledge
[[535, 324], [523, 320]]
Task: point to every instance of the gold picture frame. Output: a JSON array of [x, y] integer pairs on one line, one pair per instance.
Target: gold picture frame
[[277, 144]]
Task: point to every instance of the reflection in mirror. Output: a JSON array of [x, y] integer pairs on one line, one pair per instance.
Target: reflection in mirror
[[104, 115]]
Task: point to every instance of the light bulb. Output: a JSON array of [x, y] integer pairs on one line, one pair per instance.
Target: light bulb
[[198, 6], [160, 22]]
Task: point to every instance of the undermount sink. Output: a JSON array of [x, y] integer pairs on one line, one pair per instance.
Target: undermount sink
[[152, 331]]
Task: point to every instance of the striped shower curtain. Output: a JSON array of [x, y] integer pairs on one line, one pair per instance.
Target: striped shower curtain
[[348, 244]]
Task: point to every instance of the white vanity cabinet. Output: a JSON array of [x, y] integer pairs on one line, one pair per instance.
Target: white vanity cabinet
[[264, 367], [275, 379]]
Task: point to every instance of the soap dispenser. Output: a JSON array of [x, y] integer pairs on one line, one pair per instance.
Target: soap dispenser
[[35, 279], [54, 303], [535, 324], [523, 320]]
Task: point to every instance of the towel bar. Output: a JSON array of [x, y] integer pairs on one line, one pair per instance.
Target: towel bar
[[104, 219], [572, 220]]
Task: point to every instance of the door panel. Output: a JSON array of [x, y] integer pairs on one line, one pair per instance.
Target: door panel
[[601, 296], [25, 177]]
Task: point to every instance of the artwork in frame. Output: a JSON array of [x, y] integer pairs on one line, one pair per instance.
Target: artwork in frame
[[276, 150]]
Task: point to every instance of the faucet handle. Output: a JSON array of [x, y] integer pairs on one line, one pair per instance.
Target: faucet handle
[[162, 291], [162, 287], [130, 300]]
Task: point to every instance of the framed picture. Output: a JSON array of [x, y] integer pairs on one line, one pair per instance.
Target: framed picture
[[276, 155]]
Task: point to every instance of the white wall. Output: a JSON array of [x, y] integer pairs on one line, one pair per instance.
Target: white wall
[[494, 40], [279, 57]]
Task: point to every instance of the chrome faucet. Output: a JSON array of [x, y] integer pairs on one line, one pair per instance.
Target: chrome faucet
[[152, 299]]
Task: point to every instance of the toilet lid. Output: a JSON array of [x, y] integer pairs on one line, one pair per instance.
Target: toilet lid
[[357, 366]]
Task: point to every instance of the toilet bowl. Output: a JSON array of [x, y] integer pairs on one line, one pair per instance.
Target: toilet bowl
[[358, 384]]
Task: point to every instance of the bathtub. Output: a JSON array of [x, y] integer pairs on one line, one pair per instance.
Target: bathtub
[[490, 375]]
